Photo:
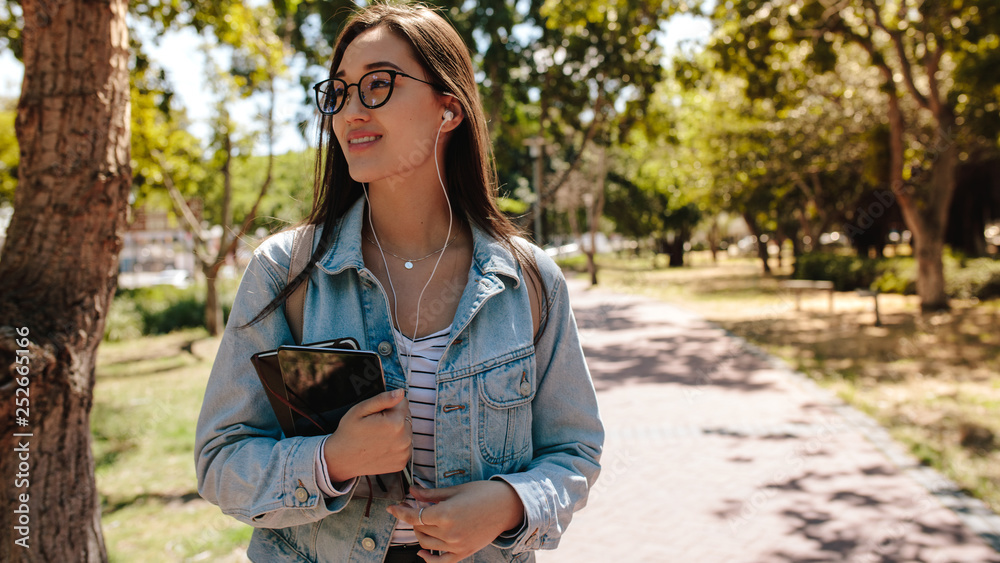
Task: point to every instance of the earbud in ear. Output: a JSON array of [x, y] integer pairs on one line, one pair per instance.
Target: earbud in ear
[[448, 116]]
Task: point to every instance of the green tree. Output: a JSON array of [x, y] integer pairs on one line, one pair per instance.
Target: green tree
[[798, 141], [596, 65], [258, 61], [920, 50], [724, 142], [665, 192], [583, 193], [160, 134]]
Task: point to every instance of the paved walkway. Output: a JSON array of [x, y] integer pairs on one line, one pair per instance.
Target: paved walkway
[[716, 453]]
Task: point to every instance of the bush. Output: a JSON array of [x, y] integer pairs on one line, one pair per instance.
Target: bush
[[990, 289], [161, 309], [846, 272], [166, 308], [898, 275], [124, 321], [576, 263], [977, 278]]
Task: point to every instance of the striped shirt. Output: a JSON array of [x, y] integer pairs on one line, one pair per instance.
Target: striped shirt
[[421, 357]]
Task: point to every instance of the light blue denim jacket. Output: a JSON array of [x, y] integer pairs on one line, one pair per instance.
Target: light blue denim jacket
[[506, 408]]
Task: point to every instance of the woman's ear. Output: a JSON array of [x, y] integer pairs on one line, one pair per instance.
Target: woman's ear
[[452, 115]]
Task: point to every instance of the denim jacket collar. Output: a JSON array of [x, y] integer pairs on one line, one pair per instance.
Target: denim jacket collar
[[488, 255]]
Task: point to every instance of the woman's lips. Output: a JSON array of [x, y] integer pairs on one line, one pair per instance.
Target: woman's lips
[[363, 141]]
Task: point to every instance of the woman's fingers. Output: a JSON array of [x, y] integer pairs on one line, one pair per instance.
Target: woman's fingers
[[381, 402], [374, 437], [464, 519]]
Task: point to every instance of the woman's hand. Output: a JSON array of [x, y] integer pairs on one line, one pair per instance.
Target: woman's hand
[[459, 521], [372, 438]]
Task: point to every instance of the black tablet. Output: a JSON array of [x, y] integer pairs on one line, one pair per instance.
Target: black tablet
[[321, 384]]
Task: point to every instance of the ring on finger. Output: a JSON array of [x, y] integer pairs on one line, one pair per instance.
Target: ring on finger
[[420, 516]]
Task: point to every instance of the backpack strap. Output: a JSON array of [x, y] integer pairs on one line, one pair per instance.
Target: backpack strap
[[536, 288], [302, 247]]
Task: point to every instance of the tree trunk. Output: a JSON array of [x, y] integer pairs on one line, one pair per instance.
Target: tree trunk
[[808, 232], [59, 271], [761, 246], [925, 206], [592, 268], [677, 248], [595, 211], [763, 254], [929, 236], [930, 274], [713, 239], [924, 203], [676, 254], [213, 308]]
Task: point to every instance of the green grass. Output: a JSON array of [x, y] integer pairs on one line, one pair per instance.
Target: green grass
[[701, 281], [146, 404]]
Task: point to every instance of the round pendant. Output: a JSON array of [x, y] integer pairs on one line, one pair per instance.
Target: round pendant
[[408, 265]]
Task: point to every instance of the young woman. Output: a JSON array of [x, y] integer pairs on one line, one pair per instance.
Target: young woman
[[490, 404]]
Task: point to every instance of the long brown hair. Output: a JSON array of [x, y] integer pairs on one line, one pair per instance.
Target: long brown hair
[[471, 177]]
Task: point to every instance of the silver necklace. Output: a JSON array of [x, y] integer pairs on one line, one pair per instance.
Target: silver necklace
[[408, 263]]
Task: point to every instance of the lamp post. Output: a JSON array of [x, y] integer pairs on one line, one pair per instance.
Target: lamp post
[[535, 146]]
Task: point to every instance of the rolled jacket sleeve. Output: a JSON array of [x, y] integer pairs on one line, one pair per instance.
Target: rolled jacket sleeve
[[329, 488]]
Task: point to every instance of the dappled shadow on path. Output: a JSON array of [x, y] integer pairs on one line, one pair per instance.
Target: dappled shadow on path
[[836, 512], [639, 342]]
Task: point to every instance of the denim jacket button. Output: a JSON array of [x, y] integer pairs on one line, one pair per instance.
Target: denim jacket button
[[525, 388], [368, 544], [384, 348], [301, 494]]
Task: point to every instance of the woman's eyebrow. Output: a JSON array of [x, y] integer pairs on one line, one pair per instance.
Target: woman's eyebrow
[[372, 66]]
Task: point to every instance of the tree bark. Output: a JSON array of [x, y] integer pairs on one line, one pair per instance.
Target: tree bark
[[59, 271]]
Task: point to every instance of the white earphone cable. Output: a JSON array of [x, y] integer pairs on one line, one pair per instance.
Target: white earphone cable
[[385, 263], [395, 316]]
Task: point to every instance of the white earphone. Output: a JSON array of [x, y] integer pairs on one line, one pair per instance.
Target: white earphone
[[448, 116]]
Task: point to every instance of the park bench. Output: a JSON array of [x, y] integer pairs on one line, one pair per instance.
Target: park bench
[[799, 286], [873, 295]]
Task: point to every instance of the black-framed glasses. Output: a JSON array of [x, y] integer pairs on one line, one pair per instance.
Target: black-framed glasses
[[374, 90]]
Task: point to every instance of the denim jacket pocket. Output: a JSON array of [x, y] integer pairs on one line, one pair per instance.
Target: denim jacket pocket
[[506, 392]]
